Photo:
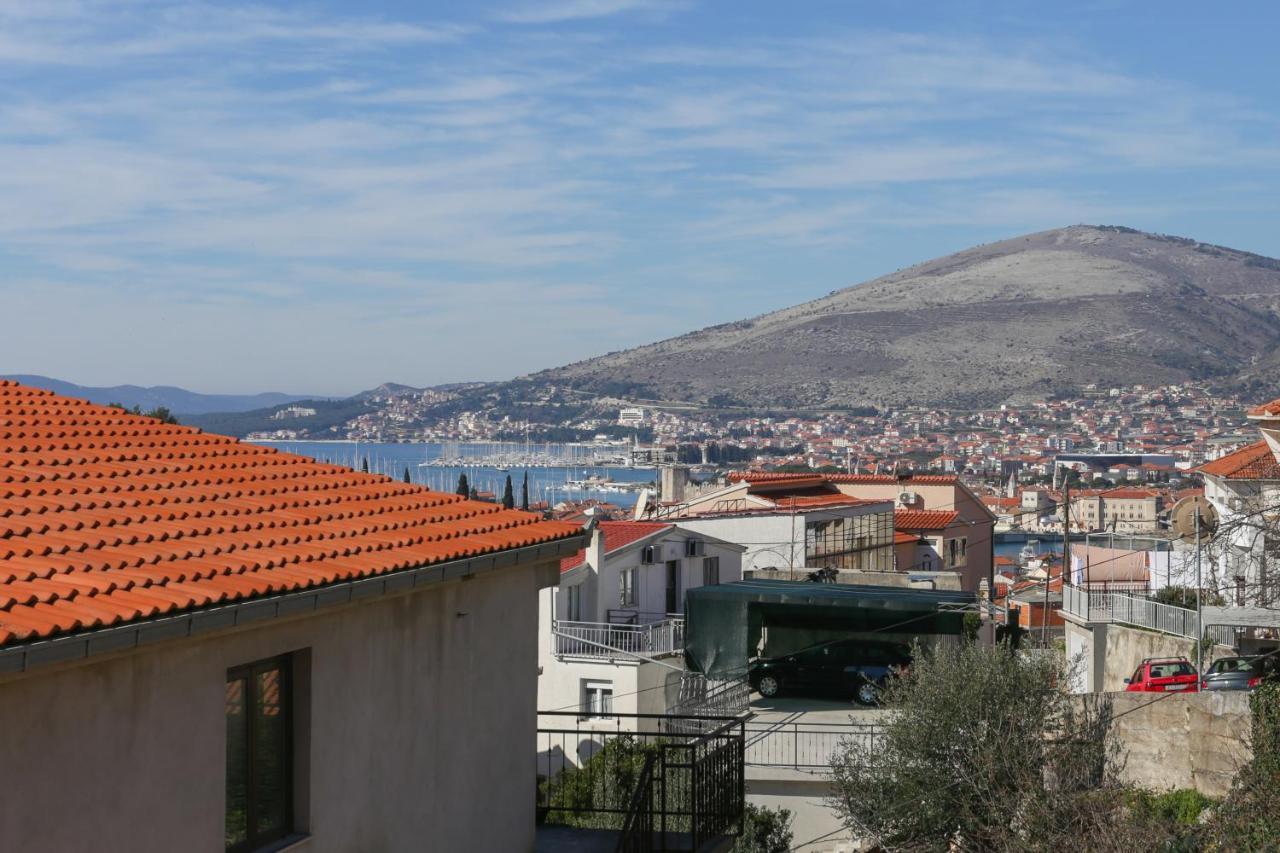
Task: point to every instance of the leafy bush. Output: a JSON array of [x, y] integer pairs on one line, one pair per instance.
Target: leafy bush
[[1249, 818], [764, 830], [1181, 807], [606, 780]]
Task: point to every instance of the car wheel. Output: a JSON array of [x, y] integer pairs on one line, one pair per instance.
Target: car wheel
[[768, 686], [867, 694]]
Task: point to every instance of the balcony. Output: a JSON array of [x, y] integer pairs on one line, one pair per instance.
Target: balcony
[[1139, 612], [609, 641]]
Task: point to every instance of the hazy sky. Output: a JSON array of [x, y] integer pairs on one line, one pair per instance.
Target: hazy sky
[[320, 197]]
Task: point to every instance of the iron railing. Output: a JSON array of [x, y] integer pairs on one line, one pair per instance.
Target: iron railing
[[637, 827], [1140, 612], [715, 696], [804, 746], [607, 640], [593, 775]]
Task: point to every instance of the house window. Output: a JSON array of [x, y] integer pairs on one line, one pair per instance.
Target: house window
[[673, 586], [597, 698], [710, 571], [627, 588], [573, 603], [259, 804]]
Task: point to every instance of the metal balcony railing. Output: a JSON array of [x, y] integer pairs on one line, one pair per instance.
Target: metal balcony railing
[[1128, 609], [607, 640]]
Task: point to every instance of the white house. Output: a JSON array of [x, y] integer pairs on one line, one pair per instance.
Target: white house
[[790, 523], [615, 625], [1244, 487]]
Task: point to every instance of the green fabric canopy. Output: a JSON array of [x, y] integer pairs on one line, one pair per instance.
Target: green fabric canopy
[[724, 622]]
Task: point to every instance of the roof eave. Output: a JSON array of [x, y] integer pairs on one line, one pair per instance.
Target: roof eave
[[21, 657]]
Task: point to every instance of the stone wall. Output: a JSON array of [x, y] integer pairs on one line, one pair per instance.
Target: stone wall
[[1126, 647], [1186, 740]]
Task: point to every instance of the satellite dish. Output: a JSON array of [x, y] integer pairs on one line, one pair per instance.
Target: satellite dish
[[1182, 518]]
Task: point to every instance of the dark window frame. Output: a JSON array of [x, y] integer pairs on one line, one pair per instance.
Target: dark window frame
[[249, 673]]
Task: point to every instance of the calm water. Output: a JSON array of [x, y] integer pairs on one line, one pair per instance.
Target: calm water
[[545, 484]]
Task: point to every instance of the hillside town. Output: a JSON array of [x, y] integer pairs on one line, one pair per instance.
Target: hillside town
[[817, 427]]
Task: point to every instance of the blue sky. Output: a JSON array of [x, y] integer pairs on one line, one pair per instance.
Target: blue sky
[[317, 198]]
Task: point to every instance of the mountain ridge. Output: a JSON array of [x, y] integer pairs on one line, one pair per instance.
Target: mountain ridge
[[180, 401], [1028, 316]]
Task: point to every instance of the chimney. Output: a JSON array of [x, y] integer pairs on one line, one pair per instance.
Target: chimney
[[595, 548]]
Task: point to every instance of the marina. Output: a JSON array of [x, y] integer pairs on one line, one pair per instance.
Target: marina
[[556, 472]]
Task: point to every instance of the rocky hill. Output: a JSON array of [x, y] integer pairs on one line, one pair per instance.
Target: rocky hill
[[1021, 318]]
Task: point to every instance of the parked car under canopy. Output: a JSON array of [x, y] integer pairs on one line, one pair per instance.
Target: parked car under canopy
[[725, 623]]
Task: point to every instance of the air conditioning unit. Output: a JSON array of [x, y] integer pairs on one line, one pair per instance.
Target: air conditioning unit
[[907, 498], [694, 548], [649, 555]]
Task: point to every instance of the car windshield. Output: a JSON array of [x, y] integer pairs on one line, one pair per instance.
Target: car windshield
[[1231, 665], [1169, 669]]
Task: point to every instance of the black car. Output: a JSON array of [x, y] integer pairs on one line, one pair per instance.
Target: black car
[[1240, 673], [857, 668]]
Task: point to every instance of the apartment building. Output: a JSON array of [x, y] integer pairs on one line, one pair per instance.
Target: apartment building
[[207, 645], [790, 523], [614, 626], [1117, 510]]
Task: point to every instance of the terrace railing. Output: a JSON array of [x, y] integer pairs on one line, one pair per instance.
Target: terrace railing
[[804, 746], [668, 782], [608, 640], [1128, 609]]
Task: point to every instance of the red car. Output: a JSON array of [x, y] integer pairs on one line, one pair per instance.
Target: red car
[[1163, 675]]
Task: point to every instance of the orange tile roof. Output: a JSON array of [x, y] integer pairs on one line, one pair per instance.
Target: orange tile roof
[[881, 479], [108, 518], [900, 538], [924, 519], [1251, 462], [1266, 410], [617, 534]]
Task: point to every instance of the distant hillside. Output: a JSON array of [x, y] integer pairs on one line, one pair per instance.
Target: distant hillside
[[1022, 318], [329, 419], [178, 400]]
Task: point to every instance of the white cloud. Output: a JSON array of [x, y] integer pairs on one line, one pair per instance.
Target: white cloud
[[556, 11]]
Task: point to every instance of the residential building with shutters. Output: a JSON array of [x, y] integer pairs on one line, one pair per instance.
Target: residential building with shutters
[[209, 645], [613, 629]]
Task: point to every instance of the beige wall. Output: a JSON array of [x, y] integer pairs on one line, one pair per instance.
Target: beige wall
[[1194, 740], [422, 716]]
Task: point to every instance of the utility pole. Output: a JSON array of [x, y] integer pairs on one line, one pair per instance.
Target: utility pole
[[1199, 610], [1066, 534]]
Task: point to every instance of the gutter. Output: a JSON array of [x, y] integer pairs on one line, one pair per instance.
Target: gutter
[[82, 645]]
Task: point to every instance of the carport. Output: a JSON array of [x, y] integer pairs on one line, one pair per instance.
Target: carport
[[724, 623]]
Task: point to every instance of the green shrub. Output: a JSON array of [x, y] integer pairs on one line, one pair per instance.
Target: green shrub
[[764, 830]]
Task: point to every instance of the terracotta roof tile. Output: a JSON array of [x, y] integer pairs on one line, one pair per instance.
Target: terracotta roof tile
[[1266, 410], [108, 517], [1251, 462], [924, 519], [617, 534]]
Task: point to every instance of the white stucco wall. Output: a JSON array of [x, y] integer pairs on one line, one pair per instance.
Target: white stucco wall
[[421, 707]]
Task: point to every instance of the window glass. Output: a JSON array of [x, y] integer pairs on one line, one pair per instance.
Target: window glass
[[710, 571], [259, 780], [627, 588], [237, 763]]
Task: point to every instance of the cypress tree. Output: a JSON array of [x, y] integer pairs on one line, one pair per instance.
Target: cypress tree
[[508, 498], [464, 488], [524, 493], [407, 478], [364, 465]]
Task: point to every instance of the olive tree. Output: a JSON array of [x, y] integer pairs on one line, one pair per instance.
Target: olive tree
[[983, 750]]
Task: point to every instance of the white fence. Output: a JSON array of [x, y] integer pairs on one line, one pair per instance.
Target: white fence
[[1140, 612], [605, 640]]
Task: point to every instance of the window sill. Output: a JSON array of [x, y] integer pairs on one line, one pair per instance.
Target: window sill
[[296, 841]]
